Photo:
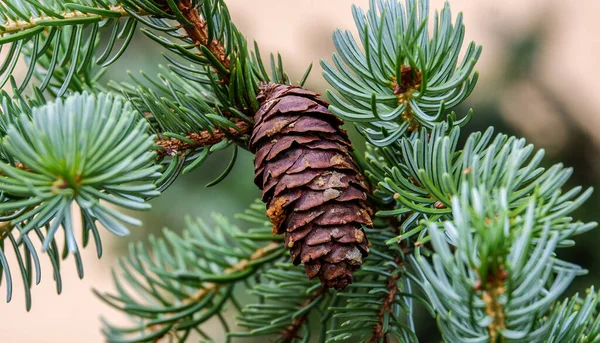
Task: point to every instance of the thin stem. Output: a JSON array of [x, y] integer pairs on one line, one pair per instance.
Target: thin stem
[[291, 332], [494, 289], [241, 265], [13, 26], [211, 287], [379, 334], [198, 32], [173, 146]]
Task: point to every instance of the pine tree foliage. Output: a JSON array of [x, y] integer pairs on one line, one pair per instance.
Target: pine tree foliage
[[497, 254], [177, 108], [469, 233], [286, 299], [577, 320], [189, 113], [63, 36], [181, 281], [53, 72], [381, 303], [84, 150], [112, 163], [421, 174], [402, 78]]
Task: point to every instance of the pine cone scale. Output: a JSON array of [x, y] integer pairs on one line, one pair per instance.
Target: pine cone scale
[[313, 179], [314, 191]]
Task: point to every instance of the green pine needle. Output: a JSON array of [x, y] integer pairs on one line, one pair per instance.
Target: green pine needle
[[88, 150], [404, 76]]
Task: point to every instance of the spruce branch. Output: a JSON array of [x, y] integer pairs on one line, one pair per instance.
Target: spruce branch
[[62, 37], [286, 300], [420, 174], [238, 267], [498, 278], [223, 61], [197, 30], [57, 155], [195, 140], [181, 281], [379, 330], [12, 25], [109, 159], [187, 117], [291, 333], [61, 53], [404, 77], [208, 105], [379, 305], [476, 227]]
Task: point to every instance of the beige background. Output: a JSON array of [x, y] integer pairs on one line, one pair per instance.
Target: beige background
[[301, 31]]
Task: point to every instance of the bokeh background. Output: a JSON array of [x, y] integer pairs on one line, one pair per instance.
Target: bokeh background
[[539, 79]]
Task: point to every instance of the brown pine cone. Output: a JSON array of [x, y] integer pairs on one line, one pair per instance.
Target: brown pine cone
[[314, 192]]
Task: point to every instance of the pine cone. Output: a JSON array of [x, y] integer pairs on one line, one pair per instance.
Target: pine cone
[[314, 191]]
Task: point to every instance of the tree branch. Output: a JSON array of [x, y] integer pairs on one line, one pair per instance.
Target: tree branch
[[198, 32], [388, 301], [291, 332], [173, 146], [13, 26], [494, 288], [241, 265], [211, 287]]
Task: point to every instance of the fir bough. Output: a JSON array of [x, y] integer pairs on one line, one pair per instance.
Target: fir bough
[[467, 232]]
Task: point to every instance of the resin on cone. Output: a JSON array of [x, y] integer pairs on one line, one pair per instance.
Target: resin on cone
[[314, 192]]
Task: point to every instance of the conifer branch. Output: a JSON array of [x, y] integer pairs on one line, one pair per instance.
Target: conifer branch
[[404, 88], [174, 146], [210, 287], [388, 301], [290, 333], [493, 307], [197, 29], [238, 267], [452, 220], [185, 279], [14, 26], [399, 76]]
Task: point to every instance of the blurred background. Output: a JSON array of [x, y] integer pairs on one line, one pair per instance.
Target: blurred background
[[538, 79]]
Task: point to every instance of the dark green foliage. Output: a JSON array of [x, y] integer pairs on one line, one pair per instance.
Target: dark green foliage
[[59, 39], [383, 283], [286, 299]]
